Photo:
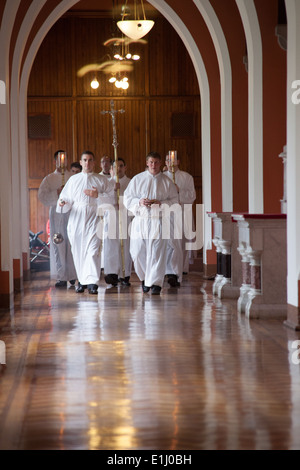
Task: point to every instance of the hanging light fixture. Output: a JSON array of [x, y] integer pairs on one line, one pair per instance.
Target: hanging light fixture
[[95, 84], [137, 28]]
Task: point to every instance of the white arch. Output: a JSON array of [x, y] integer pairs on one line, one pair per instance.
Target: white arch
[[220, 44], [24, 78], [200, 70], [8, 18], [293, 154], [19, 166], [254, 48]]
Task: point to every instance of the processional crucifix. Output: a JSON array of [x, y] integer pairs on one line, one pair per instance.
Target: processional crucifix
[[113, 113]]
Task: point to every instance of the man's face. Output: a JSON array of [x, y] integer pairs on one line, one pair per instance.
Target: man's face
[[87, 162], [153, 165], [121, 168], [105, 164], [75, 170]]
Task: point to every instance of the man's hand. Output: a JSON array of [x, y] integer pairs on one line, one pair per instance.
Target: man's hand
[[148, 202], [91, 192]]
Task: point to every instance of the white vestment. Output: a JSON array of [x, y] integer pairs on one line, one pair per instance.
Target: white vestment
[[83, 223], [61, 260], [187, 195], [103, 199], [113, 257], [148, 246]]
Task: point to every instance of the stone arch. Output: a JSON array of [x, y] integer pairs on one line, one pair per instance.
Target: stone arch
[[222, 52], [255, 99], [196, 58]]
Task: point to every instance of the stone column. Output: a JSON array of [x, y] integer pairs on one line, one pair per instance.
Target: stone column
[[255, 278], [283, 201], [246, 278], [219, 275], [225, 265]]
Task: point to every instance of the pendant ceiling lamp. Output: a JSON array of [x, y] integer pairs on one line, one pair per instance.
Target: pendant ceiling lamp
[[137, 28]]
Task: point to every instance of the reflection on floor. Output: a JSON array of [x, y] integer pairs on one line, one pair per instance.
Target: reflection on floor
[[125, 370]]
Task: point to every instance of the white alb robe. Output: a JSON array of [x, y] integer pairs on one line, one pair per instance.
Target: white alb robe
[[178, 263], [112, 250], [61, 260], [83, 223], [148, 247], [103, 199]]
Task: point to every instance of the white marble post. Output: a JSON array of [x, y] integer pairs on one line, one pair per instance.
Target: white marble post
[[229, 272], [283, 201], [217, 237], [246, 277]]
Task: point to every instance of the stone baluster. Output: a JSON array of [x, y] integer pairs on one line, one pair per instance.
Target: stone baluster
[[283, 201], [246, 278], [225, 246], [255, 278], [219, 276]]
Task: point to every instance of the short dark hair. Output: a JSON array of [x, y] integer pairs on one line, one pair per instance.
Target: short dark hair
[[76, 165], [122, 160], [153, 155], [88, 152]]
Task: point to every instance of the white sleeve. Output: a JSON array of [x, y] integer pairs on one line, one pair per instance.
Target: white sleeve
[[46, 194], [130, 199], [187, 193], [65, 195]]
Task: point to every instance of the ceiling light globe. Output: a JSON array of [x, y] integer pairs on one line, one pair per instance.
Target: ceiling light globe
[[135, 29], [95, 84]]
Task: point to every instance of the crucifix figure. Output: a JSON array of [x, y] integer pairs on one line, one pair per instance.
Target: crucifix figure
[[113, 113]]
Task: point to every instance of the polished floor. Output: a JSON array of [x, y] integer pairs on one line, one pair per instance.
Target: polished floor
[[125, 371]]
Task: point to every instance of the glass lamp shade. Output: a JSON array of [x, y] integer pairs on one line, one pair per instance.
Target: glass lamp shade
[[95, 84], [61, 160], [135, 29]]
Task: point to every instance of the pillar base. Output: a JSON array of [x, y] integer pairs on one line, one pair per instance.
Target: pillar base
[[243, 298], [256, 308], [217, 282]]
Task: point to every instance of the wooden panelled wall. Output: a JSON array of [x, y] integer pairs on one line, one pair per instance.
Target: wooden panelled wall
[[162, 84]]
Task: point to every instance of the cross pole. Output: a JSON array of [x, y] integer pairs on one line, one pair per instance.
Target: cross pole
[[113, 113]]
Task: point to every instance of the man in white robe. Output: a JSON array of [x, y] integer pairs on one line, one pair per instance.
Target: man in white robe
[[178, 256], [61, 260], [148, 196], [80, 196], [117, 260], [106, 166]]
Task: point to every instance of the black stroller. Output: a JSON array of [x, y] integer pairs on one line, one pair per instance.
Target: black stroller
[[39, 252]]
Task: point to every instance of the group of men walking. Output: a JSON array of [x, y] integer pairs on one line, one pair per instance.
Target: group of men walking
[[112, 222]]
